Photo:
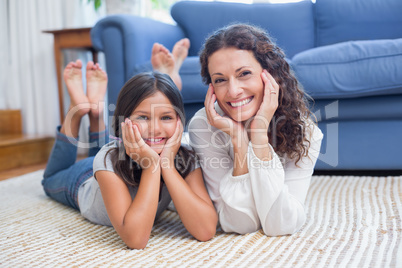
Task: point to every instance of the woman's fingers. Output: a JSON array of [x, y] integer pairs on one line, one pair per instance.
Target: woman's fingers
[[271, 90], [210, 105]]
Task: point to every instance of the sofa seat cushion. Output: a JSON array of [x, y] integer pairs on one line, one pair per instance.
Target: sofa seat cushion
[[291, 24], [379, 108], [194, 90], [351, 69], [346, 20]]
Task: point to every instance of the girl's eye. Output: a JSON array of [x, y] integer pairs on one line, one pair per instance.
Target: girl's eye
[[142, 117], [167, 118]]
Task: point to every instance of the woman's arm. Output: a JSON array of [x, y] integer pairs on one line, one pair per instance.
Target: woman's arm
[[132, 219], [270, 195], [192, 203], [280, 192], [230, 194]]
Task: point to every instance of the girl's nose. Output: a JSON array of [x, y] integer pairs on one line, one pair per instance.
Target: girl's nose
[[155, 128]]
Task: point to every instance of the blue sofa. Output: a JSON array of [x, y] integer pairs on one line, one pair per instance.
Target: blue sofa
[[347, 54]]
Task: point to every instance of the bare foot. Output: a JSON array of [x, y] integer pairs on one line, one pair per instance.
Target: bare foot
[[180, 52], [96, 88], [73, 79], [161, 59]]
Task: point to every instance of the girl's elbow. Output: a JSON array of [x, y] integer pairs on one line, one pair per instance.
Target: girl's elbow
[[206, 234], [136, 242]]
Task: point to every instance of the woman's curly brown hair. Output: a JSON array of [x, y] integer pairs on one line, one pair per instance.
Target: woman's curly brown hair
[[288, 126]]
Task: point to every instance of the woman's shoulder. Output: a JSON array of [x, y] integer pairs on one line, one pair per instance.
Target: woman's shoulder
[[313, 131]]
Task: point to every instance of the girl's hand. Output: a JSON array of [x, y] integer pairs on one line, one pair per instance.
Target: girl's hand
[[136, 148], [234, 129], [171, 147], [260, 123]]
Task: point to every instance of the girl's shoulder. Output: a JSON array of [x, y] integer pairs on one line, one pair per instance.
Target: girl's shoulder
[[187, 160], [102, 160]]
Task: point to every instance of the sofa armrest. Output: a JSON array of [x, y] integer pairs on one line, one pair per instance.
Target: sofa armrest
[[126, 42], [137, 35]]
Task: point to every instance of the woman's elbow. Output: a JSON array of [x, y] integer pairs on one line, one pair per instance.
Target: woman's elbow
[[284, 228]]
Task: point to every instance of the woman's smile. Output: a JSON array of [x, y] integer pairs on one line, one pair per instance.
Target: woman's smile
[[240, 103]]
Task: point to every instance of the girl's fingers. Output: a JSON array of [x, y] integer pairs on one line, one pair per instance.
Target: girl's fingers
[[137, 135], [128, 136], [176, 137], [123, 130]]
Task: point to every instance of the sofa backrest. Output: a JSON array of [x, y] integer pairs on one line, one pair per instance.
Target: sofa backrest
[[290, 24], [346, 20]]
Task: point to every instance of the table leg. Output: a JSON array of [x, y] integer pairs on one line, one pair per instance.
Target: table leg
[[58, 61]]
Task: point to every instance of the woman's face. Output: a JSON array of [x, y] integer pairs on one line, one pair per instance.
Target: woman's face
[[237, 82], [157, 119]]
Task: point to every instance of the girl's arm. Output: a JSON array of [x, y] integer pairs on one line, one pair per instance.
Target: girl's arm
[[132, 219], [189, 196], [192, 203]]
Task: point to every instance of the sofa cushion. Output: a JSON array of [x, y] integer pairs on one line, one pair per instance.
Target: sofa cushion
[[351, 69], [192, 82], [347, 20], [291, 24]]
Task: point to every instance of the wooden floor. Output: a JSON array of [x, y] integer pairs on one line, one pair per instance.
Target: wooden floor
[[6, 174], [15, 172]]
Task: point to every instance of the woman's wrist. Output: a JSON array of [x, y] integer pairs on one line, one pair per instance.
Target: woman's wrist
[[261, 148], [240, 148]]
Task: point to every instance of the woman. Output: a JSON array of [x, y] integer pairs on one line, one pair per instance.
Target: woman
[[255, 140]]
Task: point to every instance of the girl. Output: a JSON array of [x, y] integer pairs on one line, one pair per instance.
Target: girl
[[255, 140], [132, 180]]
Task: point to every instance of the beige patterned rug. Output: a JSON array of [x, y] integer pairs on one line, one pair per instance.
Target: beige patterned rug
[[352, 222]]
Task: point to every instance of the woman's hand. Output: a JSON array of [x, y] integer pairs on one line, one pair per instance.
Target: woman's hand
[[260, 123], [171, 147], [234, 129], [136, 148]]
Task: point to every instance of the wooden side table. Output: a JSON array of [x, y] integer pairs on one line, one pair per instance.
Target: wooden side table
[[77, 38]]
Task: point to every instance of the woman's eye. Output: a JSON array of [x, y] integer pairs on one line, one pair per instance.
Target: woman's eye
[[245, 73], [219, 80]]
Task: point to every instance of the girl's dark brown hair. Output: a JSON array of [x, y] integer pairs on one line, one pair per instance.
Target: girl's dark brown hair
[[287, 129], [137, 89]]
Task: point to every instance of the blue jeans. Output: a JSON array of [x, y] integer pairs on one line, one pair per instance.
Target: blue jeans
[[63, 175]]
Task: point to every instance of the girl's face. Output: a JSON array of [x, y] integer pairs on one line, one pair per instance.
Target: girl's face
[[237, 82], [157, 119]]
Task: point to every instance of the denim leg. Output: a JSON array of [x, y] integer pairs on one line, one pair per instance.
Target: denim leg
[[96, 141], [63, 175]]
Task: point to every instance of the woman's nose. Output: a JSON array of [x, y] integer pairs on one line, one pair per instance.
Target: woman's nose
[[234, 89]]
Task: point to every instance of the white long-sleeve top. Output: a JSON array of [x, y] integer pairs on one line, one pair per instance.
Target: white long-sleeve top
[[271, 196]]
